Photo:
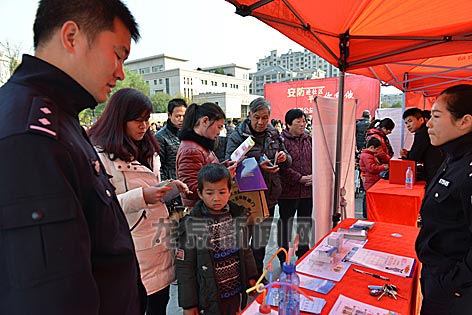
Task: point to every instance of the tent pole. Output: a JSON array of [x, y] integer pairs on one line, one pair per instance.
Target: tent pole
[[339, 139], [402, 128]]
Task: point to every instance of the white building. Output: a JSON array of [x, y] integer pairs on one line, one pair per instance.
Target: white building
[[292, 66], [170, 75], [391, 98]]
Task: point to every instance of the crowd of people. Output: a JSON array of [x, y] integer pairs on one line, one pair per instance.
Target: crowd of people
[[92, 230]]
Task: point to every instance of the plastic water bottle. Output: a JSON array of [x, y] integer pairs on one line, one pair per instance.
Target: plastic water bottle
[[289, 298], [409, 178]]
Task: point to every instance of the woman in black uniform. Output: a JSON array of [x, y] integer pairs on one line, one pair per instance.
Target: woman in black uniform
[[444, 244]]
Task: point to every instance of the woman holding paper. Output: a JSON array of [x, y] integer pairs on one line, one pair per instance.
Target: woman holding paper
[[201, 127], [444, 244], [269, 151], [130, 154]]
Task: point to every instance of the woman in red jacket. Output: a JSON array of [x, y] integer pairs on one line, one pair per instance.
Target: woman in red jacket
[[371, 167], [201, 127], [380, 129]]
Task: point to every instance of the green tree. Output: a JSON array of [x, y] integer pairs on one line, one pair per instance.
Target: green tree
[[219, 71], [132, 80], [159, 101], [397, 104], [385, 105], [10, 54]]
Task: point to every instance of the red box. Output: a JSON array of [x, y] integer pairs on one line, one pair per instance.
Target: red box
[[397, 170]]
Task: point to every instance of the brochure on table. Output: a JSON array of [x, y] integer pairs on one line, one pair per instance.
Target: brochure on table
[[390, 263], [315, 306], [345, 305], [322, 286], [335, 271]]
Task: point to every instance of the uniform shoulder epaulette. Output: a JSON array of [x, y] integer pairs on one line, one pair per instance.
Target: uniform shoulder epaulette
[[43, 117]]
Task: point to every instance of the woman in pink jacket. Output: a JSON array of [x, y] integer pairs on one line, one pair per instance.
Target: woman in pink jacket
[[130, 154]]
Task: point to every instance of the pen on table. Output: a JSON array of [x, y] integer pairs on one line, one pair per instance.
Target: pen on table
[[371, 274]]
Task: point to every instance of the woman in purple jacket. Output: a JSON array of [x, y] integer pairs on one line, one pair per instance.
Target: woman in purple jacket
[[297, 195]]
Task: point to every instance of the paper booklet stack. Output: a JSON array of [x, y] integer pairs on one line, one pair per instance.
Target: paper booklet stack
[[357, 231]]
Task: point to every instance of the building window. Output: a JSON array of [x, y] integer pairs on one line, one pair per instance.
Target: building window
[[160, 81], [144, 70], [167, 86], [157, 68], [155, 82]]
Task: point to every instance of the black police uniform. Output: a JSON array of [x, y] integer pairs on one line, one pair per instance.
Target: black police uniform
[[65, 247], [444, 244]]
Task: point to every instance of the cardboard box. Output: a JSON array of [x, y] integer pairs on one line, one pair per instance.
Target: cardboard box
[[397, 170]]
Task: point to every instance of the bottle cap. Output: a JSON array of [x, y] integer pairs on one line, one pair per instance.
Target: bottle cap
[[265, 309], [288, 268]]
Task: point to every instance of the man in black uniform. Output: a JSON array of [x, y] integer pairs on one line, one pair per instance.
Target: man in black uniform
[[422, 150], [444, 244], [65, 247]]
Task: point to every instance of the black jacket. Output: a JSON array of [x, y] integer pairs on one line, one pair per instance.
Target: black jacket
[[194, 261], [168, 146], [361, 128], [65, 247], [424, 152], [269, 143], [444, 244]]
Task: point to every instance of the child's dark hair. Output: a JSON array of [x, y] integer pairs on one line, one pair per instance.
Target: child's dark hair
[[373, 142], [213, 173], [414, 111]]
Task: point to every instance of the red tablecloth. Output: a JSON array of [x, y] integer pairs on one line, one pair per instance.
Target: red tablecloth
[[354, 285], [393, 203]]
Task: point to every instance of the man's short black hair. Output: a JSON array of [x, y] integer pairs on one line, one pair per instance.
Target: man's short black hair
[[373, 142], [92, 16], [213, 173], [175, 102], [427, 114], [414, 111]]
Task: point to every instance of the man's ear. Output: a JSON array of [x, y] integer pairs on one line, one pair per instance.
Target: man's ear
[[199, 193], [69, 35], [466, 122]]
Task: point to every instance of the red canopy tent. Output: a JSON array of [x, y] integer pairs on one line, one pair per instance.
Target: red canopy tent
[[367, 33], [426, 77]]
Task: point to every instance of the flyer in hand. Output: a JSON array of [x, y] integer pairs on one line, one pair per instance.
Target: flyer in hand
[[249, 176], [238, 154]]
